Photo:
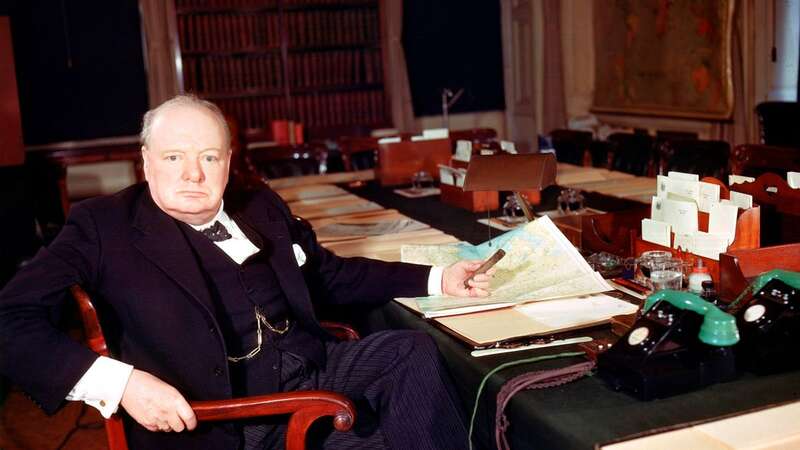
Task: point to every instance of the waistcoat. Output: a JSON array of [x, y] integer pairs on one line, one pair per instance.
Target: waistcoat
[[235, 291]]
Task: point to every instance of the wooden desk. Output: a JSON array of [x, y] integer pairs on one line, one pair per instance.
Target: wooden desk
[[65, 154], [577, 415]]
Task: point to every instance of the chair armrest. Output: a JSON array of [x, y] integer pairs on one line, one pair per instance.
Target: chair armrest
[[305, 407], [341, 331]]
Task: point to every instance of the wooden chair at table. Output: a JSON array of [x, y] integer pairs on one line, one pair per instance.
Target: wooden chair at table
[[572, 146], [701, 157], [304, 407], [754, 160], [633, 153]]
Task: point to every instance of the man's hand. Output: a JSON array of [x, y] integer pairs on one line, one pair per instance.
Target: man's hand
[[156, 405], [454, 276]]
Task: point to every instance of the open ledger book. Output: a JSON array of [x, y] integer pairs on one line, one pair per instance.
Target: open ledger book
[[540, 264]]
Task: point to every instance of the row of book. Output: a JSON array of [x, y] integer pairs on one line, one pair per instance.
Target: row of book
[[221, 74], [188, 5], [314, 110], [321, 28], [237, 32], [336, 68], [258, 31], [230, 74]]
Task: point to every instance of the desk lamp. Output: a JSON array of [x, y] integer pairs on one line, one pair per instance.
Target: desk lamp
[[507, 172]]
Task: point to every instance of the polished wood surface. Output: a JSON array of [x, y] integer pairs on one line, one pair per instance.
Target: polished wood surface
[[305, 407], [397, 162], [771, 189], [475, 201], [737, 267], [780, 217]]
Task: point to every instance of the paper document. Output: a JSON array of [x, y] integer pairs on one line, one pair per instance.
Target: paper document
[[793, 178], [739, 179], [540, 263], [722, 220], [683, 176], [681, 215], [536, 319], [744, 201], [709, 245], [452, 176], [463, 151], [709, 195], [370, 228], [656, 232]]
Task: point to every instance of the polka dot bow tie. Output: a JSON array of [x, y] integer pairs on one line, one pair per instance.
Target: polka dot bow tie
[[216, 232]]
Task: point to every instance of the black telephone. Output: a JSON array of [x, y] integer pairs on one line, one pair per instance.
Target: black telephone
[[768, 318], [680, 343]]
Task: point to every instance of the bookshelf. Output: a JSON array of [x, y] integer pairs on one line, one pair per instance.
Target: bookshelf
[[319, 62]]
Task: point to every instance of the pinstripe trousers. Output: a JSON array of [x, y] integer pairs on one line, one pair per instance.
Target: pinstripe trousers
[[403, 394]]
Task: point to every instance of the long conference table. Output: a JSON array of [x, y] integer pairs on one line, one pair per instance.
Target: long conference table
[[579, 415]]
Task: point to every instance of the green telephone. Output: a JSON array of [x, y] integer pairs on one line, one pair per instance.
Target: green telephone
[[768, 316], [681, 342]]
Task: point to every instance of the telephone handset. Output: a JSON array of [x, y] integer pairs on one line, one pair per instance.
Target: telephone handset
[[681, 342], [768, 317]]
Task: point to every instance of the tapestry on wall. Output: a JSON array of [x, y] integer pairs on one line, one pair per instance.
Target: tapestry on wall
[[665, 58]]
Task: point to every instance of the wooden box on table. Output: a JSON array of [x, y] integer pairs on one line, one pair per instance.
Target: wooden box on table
[[475, 201], [399, 161], [738, 267], [748, 236]]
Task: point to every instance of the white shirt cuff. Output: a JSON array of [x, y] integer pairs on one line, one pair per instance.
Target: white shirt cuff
[[435, 280], [102, 385]]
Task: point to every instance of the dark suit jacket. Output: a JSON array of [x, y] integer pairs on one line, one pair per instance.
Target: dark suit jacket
[[148, 288]]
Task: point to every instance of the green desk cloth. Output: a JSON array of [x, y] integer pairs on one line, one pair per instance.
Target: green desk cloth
[[574, 416], [583, 413]]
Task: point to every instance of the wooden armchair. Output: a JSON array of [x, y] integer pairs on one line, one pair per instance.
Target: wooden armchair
[[304, 407]]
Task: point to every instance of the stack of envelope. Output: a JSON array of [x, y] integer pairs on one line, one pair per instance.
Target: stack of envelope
[[679, 197]]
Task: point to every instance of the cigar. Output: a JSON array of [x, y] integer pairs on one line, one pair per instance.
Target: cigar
[[488, 264]]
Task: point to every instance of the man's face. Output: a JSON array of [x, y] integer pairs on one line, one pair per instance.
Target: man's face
[[186, 163]]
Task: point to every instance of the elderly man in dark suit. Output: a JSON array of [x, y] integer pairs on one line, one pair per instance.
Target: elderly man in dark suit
[[206, 299]]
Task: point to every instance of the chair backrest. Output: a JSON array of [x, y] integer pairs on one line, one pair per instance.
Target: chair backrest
[[754, 160], [705, 158], [571, 145], [93, 331], [282, 161], [633, 153], [669, 135], [779, 123], [358, 153]]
